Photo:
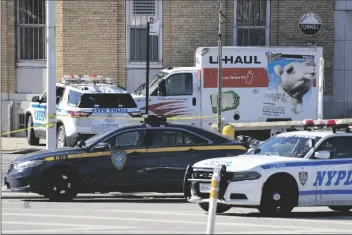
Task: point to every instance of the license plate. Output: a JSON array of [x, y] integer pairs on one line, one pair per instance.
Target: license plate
[[204, 188]]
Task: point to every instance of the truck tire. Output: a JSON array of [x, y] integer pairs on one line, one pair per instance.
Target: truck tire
[[31, 139], [341, 208], [221, 208], [61, 137]]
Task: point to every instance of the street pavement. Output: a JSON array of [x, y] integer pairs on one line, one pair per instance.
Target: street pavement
[[150, 213]]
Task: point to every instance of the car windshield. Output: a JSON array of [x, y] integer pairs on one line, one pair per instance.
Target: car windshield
[[286, 146], [154, 83]]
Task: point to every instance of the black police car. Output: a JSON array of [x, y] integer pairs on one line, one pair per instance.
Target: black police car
[[147, 157]]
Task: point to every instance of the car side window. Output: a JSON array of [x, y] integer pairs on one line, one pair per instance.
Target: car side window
[[73, 98], [59, 94], [179, 84], [165, 137], [339, 147], [126, 139], [43, 98]]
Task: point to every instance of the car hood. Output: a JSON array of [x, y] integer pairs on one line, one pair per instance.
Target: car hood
[[40, 155], [245, 162]]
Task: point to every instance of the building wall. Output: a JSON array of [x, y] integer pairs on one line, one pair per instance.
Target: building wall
[[340, 103], [8, 47], [91, 38], [191, 24]]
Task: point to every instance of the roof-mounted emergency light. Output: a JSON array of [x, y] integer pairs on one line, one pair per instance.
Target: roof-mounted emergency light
[[330, 123], [154, 119]]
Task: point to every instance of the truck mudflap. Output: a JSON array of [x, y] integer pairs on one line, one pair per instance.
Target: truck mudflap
[[193, 179]]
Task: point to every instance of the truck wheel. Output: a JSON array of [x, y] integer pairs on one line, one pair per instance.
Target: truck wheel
[[31, 139], [277, 197], [221, 208], [341, 208], [61, 185], [61, 137]]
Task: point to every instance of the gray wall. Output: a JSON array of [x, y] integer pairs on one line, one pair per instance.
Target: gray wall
[[340, 104]]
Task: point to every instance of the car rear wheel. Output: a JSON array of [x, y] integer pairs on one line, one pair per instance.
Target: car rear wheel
[[31, 139], [61, 185], [61, 137], [221, 208], [341, 208]]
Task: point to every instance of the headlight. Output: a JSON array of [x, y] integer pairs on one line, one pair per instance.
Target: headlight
[[246, 175], [27, 164]]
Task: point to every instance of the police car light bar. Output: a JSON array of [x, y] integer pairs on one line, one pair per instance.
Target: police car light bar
[[86, 79], [330, 123], [154, 119]]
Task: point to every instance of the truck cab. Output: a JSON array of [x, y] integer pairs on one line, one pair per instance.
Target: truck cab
[[173, 92]]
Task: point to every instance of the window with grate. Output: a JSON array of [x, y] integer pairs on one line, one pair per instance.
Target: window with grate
[[251, 22], [139, 13], [144, 7], [31, 40]]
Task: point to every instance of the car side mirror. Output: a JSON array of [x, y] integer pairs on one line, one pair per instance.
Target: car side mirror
[[322, 154], [102, 147], [35, 99], [81, 143]]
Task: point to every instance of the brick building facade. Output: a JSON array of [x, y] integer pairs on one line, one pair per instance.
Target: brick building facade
[[108, 37]]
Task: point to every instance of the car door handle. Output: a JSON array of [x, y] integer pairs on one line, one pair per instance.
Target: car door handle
[[191, 150], [194, 101]]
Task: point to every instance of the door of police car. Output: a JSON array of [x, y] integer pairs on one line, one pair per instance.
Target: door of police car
[[334, 175], [123, 165], [169, 152]]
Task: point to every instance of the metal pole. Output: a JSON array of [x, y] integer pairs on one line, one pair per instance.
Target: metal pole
[[213, 199], [147, 70], [51, 74], [219, 72], [321, 89]]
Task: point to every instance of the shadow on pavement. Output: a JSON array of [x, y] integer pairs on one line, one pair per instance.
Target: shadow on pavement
[[323, 215], [114, 200]]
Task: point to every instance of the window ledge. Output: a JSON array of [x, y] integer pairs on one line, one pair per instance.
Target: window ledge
[[38, 64], [142, 65]]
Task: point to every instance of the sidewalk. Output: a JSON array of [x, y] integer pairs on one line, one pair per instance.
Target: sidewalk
[[15, 144]]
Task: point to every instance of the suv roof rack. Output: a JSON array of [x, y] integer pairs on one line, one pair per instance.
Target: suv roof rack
[[331, 124], [85, 79]]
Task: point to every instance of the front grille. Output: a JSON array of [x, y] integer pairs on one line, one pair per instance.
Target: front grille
[[201, 175]]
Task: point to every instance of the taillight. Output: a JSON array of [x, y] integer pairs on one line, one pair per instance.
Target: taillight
[[79, 114], [135, 114]]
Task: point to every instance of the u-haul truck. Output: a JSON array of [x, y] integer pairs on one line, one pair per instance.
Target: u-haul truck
[[259, 84]]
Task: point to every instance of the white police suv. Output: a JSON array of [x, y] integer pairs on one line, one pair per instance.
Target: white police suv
[[85, 105], [312, 167]]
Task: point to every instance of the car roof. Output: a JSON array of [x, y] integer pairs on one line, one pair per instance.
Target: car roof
[[315, 133], [98, 88], [197, 130]]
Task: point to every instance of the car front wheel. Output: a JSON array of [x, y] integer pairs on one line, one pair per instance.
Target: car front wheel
[[61, 185]]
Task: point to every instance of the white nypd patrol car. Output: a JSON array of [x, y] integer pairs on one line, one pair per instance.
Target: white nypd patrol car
[[292, 169], [85, 106]]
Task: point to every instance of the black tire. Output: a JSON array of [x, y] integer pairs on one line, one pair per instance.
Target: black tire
[[61, 137], [61, 185], [31, 139], [341, 208], [221, 208], [285, 199]]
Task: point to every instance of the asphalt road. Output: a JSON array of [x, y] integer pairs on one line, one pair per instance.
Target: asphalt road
[[144, 213]]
